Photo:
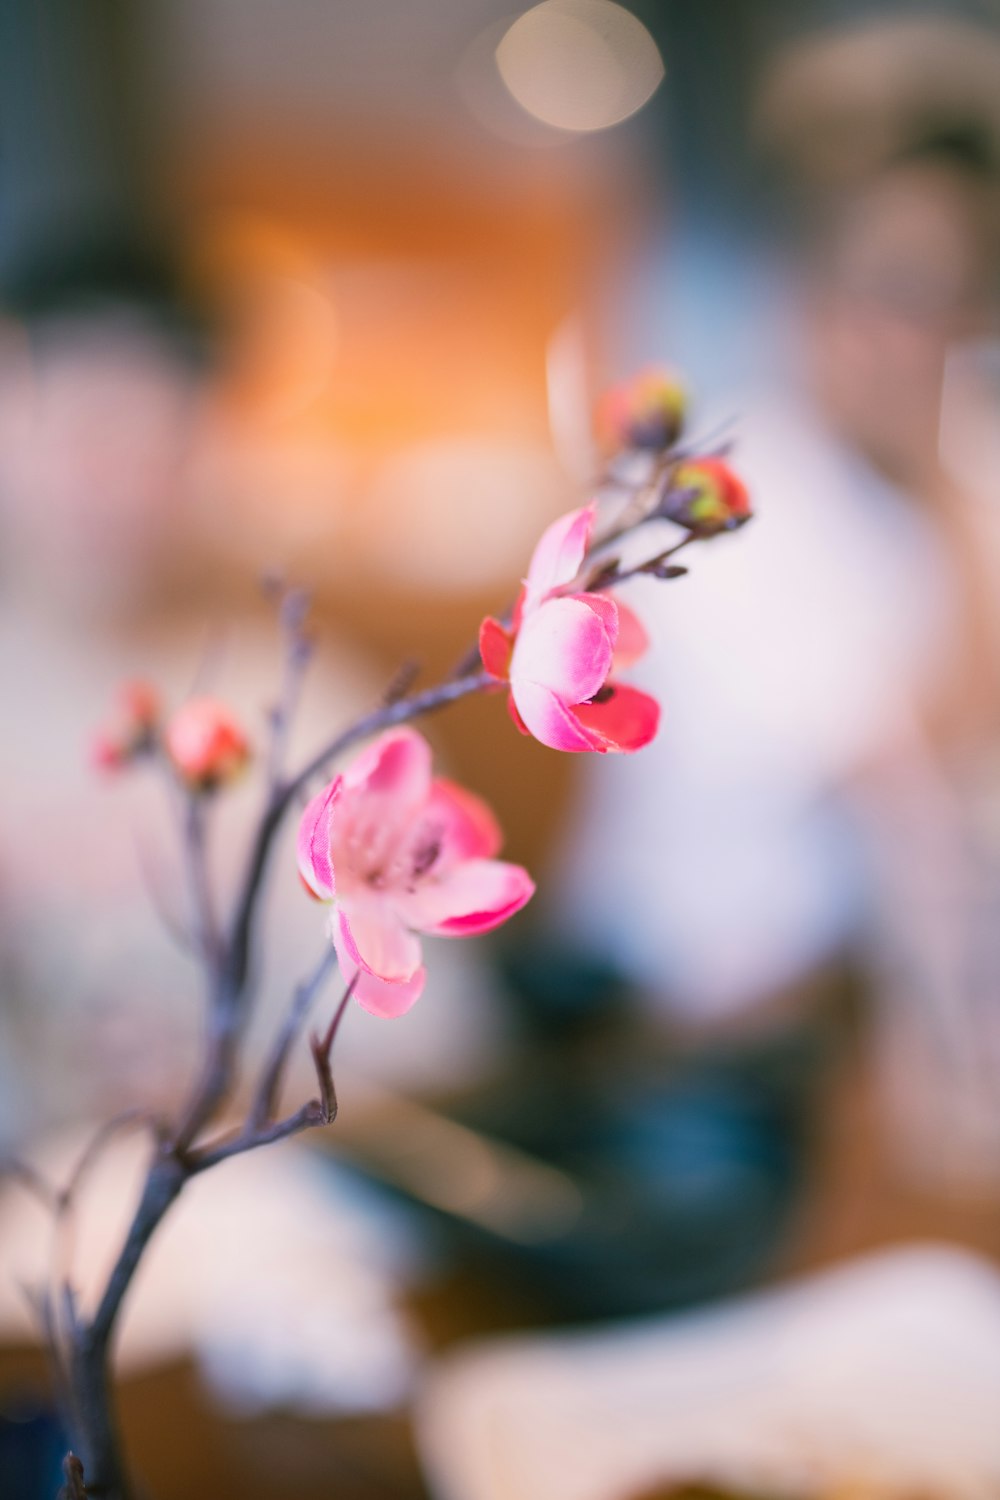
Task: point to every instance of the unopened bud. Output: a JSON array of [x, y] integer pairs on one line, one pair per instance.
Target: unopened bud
[[706, 496], [206, 743], [646, 412], [132, 730]]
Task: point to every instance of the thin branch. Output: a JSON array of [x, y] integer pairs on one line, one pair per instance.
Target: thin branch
[[259, 1128], [402, 681], [321, 1047], [39, 1302], [207, 936], [390, 714], [310, 1115], [63, 1235], [165, 1180], [263, 1107], [30, 1179], [157, 900], [293, 609], [96, 1145], [611, 574]]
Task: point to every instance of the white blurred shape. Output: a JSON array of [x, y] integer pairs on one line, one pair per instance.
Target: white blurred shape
[[879, 1376], [579, 65]]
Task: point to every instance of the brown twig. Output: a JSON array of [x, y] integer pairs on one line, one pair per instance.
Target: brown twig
[[321, 1047], [265, 1099], [30, 1179]]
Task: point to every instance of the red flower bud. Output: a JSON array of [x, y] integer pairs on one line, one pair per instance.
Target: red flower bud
[[132, 730], [644, 412], [206, 743], [706, 496]]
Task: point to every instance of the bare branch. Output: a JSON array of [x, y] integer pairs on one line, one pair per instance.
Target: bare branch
[[263, 1107], [96, 1145], [293, 608], [31, 1180], [158, 900], [321, 1047]]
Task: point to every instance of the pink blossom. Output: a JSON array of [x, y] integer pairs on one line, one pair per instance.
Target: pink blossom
[[563, 651], [401, 853], [206, 743]]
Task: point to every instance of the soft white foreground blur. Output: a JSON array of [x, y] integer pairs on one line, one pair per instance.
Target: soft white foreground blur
[[883, 1373]]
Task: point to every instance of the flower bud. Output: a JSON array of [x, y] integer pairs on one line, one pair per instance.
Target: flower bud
[[706, 496], [646, 412], [132, 731], [206, 743]]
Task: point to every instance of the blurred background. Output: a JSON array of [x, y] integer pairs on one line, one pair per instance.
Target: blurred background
[[330, 291]]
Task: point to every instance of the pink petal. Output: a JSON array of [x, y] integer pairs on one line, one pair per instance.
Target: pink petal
[[495, 644], [626, 721], [632, 642], [385, 789], [564, 646], [518, 721], [605, 608], [559, 554], [462, 823], [396, 766], [375, 939], [313, 846], [473, 897], [546, 717], [380, 996]]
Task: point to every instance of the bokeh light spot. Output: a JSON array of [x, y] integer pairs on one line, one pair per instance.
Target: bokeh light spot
[[579, 65]]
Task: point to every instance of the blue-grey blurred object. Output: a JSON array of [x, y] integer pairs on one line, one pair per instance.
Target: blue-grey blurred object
[[32, 1447], [604, 1173]]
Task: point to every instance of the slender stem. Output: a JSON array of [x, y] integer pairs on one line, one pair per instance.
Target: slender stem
[[321, 1048], [32, 1181], [259, 1128], [311, 1114], [163, 1184], [296, 661], [265, 1099], [205, 927]]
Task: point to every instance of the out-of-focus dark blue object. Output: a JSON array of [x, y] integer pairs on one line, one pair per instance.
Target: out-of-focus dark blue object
[[32, 1447], [685, 1166]]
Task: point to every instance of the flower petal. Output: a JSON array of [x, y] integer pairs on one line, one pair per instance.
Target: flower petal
[[375, 939], [495, 646], [461, 822], [380, 996], [385, 789], [515, 716], [632, 642], [565, 645], [626, 720], [560, 551], [313, 846], [473, 897], [397, 766], [546, 717]]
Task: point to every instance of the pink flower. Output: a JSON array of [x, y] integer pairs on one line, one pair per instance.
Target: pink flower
[[400, 853], [563, 650], [206, 743]]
